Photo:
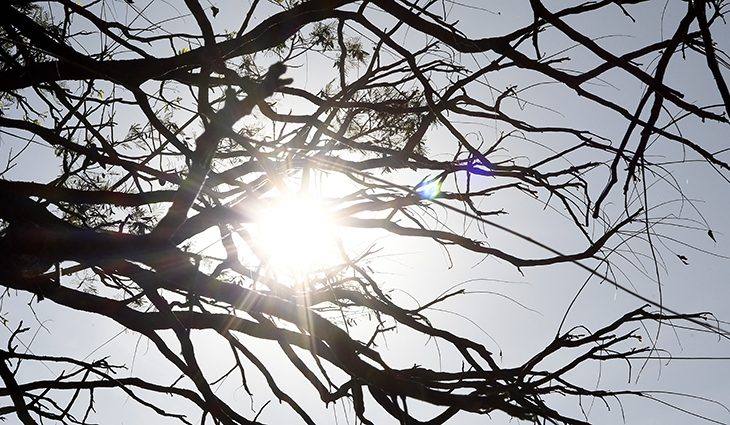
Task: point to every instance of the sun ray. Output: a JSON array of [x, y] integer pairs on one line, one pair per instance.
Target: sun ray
[[295, 236]]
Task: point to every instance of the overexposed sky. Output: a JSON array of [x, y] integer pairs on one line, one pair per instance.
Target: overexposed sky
[[513, 313]]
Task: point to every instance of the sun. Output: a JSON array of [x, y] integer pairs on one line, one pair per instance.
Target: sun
[[295, 235]]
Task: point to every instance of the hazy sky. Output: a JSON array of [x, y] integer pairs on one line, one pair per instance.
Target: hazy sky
[[511, 313]]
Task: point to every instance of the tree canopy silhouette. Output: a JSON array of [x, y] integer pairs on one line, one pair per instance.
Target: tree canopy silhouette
[[147, 142]]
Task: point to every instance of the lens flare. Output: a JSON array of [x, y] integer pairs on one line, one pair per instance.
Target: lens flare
[[429, 189]]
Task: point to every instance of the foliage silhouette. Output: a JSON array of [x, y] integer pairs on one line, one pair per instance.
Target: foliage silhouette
[[419, 122]]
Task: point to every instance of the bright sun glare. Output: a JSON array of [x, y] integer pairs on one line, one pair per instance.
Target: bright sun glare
[[296, 235]]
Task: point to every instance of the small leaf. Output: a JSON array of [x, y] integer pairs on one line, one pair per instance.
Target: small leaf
[[215, 11], [684, 259], [711, 235]]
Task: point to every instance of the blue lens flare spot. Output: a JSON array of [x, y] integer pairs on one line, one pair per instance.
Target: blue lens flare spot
[[429, 189]]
